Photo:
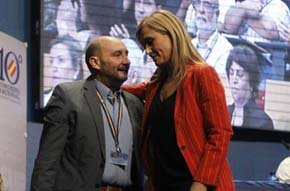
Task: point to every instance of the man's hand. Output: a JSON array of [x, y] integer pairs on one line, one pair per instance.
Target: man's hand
[[119, 31]]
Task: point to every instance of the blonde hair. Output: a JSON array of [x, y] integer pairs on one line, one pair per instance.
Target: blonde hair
[[183, 52]]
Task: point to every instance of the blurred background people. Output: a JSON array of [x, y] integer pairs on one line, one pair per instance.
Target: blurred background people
[[212, 46], [244, 76], [68, 21], [100, 15], [256, 20], [66, 17], [284, 28], [284, 31], [223, 6], [142, 66], [49, 29], [65, 63]]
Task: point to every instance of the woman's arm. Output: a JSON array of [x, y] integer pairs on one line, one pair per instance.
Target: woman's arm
[[216, 124], [138, 90]]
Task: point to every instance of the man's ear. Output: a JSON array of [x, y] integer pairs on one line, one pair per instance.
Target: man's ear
[[95, 62]]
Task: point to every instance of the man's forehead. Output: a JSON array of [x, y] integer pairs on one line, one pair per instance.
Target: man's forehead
[[108, 47], [113, 44]]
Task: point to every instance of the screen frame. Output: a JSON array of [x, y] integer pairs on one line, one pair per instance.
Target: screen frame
[[35, 82]]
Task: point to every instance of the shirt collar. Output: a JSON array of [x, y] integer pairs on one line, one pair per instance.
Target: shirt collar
[[104, 90], [209, 42]]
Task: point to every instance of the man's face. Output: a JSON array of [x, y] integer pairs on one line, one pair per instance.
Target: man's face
[[114, 62], [99, 15], [206, 15], [144, 8]]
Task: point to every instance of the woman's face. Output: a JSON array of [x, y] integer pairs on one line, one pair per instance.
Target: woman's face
[[158, 46], [61, 67], [239, 83], [144, 8]]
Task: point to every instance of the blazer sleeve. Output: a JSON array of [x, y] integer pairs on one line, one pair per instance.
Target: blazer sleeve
[[217, 126], [138, 90], [52, 142]]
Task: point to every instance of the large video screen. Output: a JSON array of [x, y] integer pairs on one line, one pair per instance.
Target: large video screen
[[246, 41]]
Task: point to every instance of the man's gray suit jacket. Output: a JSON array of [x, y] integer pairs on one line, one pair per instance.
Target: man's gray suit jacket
[[72, 147]]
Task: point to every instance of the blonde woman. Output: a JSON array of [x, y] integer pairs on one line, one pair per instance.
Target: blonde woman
[[186, 126]]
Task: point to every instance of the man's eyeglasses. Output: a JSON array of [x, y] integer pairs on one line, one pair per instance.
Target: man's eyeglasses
[[205, 4]]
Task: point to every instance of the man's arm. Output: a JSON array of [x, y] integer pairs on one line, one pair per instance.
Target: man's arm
[[53, 139], [265, 26], [284, 29], [236, 14], [181, 12]]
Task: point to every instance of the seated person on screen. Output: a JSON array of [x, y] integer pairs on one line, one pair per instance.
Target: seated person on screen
[[284, 29], [256, 20], [68, 21], [212, 46], [49, 27], [190, 15], [66, 17], [65, 63], [243, 74]]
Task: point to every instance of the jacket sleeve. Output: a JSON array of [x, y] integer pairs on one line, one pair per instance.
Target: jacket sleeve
[[52, 142], [217, 126], [138, 90]]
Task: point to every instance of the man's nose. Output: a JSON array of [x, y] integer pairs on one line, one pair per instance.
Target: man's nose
[[54, 66], [126, 60], [200, 8]]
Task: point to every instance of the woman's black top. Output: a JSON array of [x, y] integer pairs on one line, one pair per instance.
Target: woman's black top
[[171, 170]]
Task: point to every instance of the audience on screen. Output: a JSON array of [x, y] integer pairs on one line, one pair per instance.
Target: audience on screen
[[256, 20], [190, 15], [69, 22], [284, 29], [100, 15], [49, 28], [142, 66], [212, 46], [244, 76], [65, 63], [66, 21]]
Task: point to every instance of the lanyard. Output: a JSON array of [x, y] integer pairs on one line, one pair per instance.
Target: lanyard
[[210, 47], [114, 131]]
